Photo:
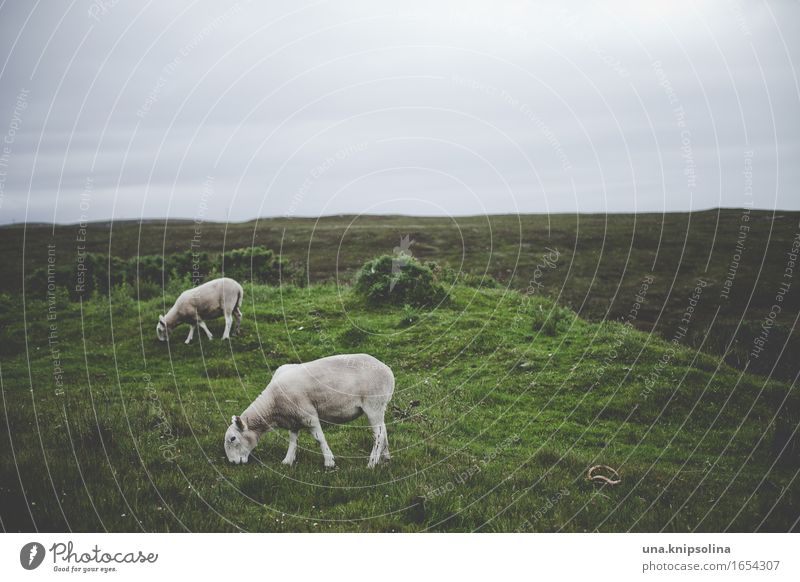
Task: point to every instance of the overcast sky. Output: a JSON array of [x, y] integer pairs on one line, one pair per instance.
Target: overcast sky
[[233, 110]]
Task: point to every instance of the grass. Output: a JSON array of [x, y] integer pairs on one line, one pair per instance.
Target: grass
[[503, 402], [597, 271]]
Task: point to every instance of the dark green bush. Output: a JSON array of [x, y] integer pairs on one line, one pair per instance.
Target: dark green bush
[[81, 277], [387, 280], [258, 265], [158, 269], [90, 273], [147, 290]]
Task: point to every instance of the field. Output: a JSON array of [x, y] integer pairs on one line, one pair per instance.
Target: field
[[503, 402], [505, 396], [601, 262]]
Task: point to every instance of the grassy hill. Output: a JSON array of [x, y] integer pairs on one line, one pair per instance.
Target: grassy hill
[[503, 401], [602, 260]]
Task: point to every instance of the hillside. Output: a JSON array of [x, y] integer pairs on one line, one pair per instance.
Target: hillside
[[503, 401], [600, 262]]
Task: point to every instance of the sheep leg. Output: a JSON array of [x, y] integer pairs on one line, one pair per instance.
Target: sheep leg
[[380, 450], [237, 317], [316, 432], [292, 452], [203, 325], [375, 455], [385, 455], [190, 336], [226, 335]]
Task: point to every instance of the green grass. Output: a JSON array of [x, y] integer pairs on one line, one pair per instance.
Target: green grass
[[503, 401], [602, 259]]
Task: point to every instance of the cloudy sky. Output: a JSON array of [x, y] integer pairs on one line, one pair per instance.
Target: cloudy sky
[[233, 110]]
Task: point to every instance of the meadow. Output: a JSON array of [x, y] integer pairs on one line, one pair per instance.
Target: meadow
[[599, 264], [504, 399]]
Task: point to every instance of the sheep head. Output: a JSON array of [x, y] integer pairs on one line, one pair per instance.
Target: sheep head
[[239, 441], [162, 329]]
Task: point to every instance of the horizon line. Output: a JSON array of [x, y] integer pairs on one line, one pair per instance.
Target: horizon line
[[392, 215]]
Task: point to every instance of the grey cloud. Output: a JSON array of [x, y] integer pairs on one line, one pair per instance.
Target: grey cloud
[[501, 108]]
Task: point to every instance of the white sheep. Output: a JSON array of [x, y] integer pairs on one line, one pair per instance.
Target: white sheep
[[331, 390], [220, 297]]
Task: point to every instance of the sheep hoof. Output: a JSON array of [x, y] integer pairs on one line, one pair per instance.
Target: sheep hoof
[[330, 464], [288, 462]]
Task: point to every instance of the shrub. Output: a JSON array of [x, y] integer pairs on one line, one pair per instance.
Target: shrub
[[258, 265], [101, 274], [81, 277], [150, 274], [389, 281], [147, 290], [149, 268], [162, 269]]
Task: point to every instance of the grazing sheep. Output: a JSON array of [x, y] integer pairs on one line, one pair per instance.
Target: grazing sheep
[[334, 390], [207, 301]]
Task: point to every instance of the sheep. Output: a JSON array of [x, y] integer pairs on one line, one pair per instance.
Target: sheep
[[333, 390], [217, 297]]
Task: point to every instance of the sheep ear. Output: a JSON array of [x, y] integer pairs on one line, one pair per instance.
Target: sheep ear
[[161, 319], [238, 422]]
